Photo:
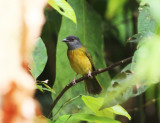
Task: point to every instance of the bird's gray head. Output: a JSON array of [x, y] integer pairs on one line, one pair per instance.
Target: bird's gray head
[[72, 42]]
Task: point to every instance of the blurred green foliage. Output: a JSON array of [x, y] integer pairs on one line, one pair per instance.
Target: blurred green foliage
[[111, 30]]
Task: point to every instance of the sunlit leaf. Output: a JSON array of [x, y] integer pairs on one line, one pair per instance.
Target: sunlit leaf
[[149, 52], [42, 86], [39, 87], [155, 9], [91, 118], [95, 103], [121, 111], [63, 8], [62, 119], [48, 88], [42, 119], [154, 5]]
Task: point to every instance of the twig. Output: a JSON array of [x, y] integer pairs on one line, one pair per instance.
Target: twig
[[71, 99], [85, 77]]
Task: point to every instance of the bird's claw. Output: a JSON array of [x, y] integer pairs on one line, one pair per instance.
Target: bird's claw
[[89, 74], [74, 82]]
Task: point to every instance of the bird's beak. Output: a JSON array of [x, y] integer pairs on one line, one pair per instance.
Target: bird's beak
[[65, 40]]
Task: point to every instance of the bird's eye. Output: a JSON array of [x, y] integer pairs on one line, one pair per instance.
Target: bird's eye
[[72, 39]]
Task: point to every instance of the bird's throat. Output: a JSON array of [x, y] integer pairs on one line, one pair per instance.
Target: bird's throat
[[74, 46]]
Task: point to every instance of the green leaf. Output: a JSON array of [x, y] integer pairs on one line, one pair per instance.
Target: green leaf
[[146, 23], [39, 59], [62, 119], [63, 8], [155, 9], [91, 118], [138, 37], [39, 87], [42, 119], [154, 4], [119, 91], [95, 103], [143, 2], [113, 6], [121, 111], [48, 88], [147, 59], [88, 29], [42, 89], [123, 86], [126, 76]]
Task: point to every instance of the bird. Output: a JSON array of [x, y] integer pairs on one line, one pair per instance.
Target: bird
[[82, 63]]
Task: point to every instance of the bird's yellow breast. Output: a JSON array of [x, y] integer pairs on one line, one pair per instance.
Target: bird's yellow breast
[[79, 62]]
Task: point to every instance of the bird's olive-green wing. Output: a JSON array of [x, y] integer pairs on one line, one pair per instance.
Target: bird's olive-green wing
[[89, 56]]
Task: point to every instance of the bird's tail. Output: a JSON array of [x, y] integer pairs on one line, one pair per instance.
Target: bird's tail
[[93, 86]]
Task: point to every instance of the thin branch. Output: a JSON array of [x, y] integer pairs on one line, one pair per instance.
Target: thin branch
[[71, 99], [85, 77]]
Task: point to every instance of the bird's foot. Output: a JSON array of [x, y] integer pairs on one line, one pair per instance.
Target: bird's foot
[[74, 81], [89, 74]]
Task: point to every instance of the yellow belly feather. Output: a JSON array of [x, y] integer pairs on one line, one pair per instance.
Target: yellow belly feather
[[79, 61]]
